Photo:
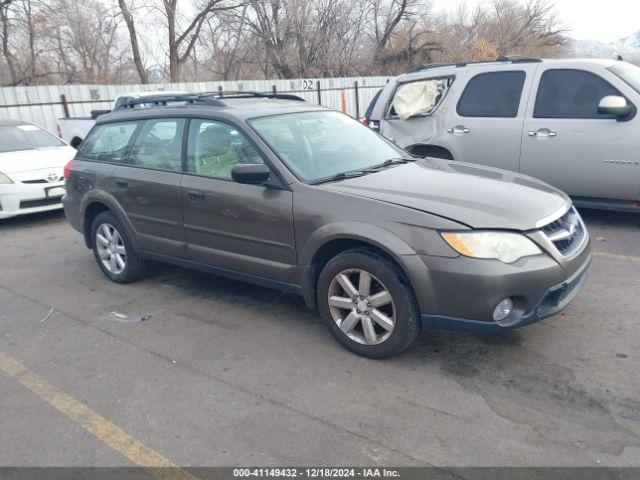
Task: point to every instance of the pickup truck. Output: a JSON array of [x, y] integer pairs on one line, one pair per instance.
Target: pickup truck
[[74, 129]]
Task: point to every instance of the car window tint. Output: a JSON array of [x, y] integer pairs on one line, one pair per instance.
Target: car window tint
[[108, 142], [216, 147], [571, 94], [494, 94], [159, 145]]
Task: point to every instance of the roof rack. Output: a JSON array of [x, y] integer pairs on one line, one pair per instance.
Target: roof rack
[[163, 100], [502, 58], [213, 99], [517, 59], [221, 94]]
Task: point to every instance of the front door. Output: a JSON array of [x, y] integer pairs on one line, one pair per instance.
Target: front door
[[147, 186], [568, 144], [233, 226]]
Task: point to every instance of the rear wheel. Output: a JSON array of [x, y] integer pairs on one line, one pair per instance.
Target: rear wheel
[[367, 304], [113, 251]]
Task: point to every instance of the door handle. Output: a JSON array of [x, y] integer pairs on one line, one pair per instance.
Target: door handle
[[121, 184], [542, 132], [458, 129], [196, 195]]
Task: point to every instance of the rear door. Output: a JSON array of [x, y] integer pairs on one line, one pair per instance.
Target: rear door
[[233, 226], [148, 186], [567, 143], [485, 125]]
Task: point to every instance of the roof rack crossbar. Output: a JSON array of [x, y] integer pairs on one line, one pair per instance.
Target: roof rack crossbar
[[162, 100]]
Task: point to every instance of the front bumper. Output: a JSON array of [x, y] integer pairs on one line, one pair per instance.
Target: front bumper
[[468, 291], [23, 198]]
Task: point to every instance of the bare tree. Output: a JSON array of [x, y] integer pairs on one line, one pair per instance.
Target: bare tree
[[133, 38], [6, 50]]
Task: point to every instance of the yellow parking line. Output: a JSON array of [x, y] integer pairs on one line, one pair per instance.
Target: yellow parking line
[[616, 255], [94, 423]]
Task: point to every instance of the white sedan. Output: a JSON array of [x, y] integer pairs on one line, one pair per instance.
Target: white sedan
[[31, 168]]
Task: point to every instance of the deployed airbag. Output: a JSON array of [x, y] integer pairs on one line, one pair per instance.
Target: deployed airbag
[[417, 98]]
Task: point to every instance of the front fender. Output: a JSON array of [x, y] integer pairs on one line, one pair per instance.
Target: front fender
[[404, 255]]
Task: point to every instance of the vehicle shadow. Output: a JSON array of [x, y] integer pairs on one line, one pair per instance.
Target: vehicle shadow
[[32, 220], [609, 218]]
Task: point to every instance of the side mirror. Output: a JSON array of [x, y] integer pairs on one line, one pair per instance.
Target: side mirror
[[251, 173], [75, 142], [616, 106]]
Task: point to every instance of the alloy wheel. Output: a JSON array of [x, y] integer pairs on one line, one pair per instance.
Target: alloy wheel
[[111, 248], [362, 307]]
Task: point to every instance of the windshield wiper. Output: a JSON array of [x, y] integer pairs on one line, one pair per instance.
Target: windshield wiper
[[341, 176], [392, 161]]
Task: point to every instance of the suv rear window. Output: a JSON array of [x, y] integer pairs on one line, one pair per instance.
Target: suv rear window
[[493, 94], [108, 142], [567, 93], [159, 145]]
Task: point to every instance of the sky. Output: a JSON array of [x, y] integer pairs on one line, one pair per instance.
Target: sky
[[587, 19]]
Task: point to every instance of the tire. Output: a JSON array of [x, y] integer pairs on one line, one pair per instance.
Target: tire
[[352, 323], [115, 256]]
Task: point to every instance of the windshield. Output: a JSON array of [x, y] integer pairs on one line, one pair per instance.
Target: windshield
[[26, 137], [319, 145], [629, 73]]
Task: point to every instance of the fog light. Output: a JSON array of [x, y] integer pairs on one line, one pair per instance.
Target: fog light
[[503, 310]]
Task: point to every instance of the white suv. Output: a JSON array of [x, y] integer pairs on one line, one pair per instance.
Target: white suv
[[572, 123]]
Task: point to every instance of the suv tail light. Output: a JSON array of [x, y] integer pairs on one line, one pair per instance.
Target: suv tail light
[[68, 168], [365, 120]]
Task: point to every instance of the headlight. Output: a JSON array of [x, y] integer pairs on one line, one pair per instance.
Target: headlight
[[504, 246], [4, 180]]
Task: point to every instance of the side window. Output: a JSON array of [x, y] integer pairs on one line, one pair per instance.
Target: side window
[[494, 94], [571, 94], [419, 98], [108, 142], [159, 145], [216, 147]]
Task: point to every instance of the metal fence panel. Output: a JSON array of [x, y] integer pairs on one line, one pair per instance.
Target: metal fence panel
[[43, 104]]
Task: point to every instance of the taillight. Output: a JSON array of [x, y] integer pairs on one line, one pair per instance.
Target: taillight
[[68, 168], [365, 120]]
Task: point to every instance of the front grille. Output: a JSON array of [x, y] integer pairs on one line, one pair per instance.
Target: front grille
[[43, 202], [567, 233]]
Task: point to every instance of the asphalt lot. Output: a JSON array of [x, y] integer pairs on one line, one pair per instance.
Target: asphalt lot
[[224, 373]]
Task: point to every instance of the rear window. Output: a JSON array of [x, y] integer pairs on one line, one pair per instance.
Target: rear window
[[159, 145], [494, 94], [26, 137], [108, 142]]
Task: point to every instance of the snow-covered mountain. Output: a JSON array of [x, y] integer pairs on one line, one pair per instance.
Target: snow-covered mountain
[[628, 47]]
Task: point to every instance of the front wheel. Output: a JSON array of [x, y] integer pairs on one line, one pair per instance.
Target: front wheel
[[367, 304], [113, 250]]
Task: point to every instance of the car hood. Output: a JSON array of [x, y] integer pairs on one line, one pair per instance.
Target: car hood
[[477, 196], [37, 159]]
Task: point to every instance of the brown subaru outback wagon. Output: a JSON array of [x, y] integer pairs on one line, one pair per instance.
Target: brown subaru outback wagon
[[285, 194]]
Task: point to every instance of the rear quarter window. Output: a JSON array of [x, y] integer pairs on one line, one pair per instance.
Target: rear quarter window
[[108, 142]]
